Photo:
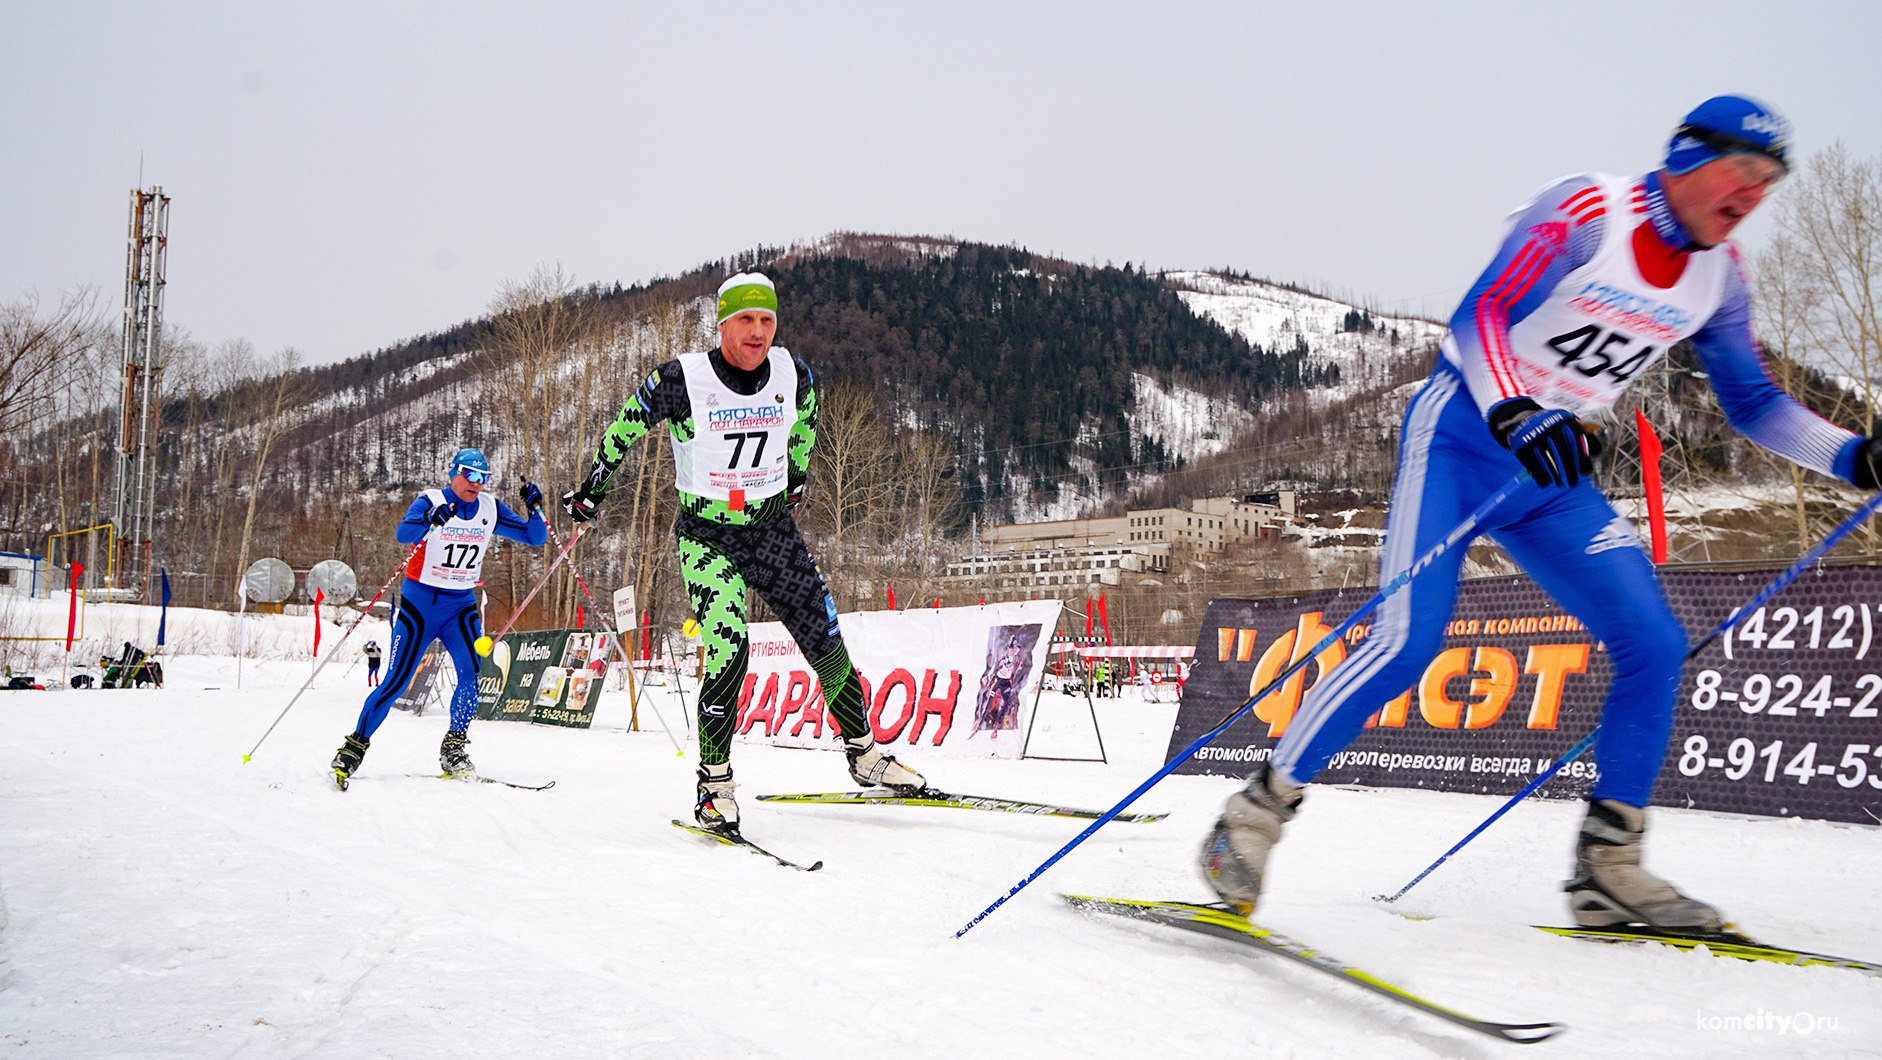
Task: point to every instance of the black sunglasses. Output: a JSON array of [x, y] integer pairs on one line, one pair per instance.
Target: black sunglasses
[[1727, 144]]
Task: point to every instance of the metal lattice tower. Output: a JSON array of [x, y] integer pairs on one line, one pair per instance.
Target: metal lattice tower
[[134, 513]]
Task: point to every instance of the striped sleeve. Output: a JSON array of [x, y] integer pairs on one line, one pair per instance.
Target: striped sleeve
[[1554, 233]]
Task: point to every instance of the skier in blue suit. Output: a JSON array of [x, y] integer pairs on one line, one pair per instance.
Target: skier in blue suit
[[439, 600], [1595, 278]]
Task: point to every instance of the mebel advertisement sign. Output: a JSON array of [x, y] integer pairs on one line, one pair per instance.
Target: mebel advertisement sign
[[552, 677], [1782, 716]]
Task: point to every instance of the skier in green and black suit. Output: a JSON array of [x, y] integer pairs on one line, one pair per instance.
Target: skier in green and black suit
[[743, 419]]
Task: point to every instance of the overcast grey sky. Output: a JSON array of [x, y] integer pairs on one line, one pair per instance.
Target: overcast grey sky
[[346, 175]]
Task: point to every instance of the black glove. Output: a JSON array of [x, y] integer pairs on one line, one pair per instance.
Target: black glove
[[441, 513], [532, 497], [1868, 472], [580, 504], [795, 497], [1551, 443]]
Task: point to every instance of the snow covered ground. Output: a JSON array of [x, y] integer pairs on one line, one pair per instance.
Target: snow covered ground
[[163, 899]]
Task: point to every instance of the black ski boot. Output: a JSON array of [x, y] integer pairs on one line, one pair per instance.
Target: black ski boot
[[453, 758], [346, 760]]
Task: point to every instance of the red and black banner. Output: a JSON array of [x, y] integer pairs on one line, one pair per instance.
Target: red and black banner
[[1780, 717]]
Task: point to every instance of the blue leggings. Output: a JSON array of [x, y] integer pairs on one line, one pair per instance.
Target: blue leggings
[[1570, 541], [427, 613]]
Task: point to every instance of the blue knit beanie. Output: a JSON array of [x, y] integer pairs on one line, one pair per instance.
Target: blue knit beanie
[[1728, 125]]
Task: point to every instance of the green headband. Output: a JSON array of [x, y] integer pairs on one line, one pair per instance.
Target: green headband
[[736, 300]]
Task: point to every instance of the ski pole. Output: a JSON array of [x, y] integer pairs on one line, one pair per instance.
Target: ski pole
[[619, 649], [544, 579], [1738, 614], [1463, 531], [400, 569]]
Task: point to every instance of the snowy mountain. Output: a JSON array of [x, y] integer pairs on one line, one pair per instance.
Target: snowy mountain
[[1365, 346]]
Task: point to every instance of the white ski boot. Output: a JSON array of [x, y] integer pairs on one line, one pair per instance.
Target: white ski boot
[[1235, 856], [716, 808], [1611, 889], [871, 768]]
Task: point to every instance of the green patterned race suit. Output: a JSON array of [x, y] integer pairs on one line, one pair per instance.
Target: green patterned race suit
[[722, 550], [662, 396]]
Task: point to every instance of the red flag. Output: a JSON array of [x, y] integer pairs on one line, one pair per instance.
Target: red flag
[[983, 601], [937, 603], [579, 615], [71, 618], [319, 596], [892, 597], [1650, 449], [1104, 619]]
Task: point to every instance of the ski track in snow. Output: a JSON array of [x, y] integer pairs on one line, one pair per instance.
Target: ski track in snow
[[162, 899]]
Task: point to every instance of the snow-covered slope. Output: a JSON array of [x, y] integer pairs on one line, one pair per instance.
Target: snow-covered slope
[[159, 898], [1277, 317]]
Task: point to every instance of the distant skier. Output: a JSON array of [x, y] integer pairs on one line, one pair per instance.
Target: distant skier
[[373, 655], [739, 471], [1596, 276], [439, 600]]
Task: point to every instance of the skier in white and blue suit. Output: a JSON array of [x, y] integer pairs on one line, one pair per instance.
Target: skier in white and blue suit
[[1596, 276], [439, 599]]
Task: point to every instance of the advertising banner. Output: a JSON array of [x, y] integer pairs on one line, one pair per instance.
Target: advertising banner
[[417, 691], [961, 679], [551, 677], [1779, 717]]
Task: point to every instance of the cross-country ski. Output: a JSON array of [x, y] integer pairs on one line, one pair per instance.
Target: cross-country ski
[[1465, 492], [951, 800], [1222, 923], [733, 837]]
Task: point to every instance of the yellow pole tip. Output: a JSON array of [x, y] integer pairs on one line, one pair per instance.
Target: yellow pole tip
[[245, 758]]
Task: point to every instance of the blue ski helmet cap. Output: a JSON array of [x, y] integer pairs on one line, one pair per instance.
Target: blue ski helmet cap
[[469, 458], [1728, 125]]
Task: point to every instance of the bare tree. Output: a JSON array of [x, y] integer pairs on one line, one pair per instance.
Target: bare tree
[[1820, 289], [37, 352], [272, 395], [538, 327], [928, 501], [849, 485]]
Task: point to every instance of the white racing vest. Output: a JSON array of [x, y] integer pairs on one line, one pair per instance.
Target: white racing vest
[[453, 556], [740, 451], [1604, 324]]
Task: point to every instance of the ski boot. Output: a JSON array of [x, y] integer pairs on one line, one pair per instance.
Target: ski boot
[[1611, 889], [872, 768], [346, 760], [1235, 856], [715, 808], [453, 758]]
